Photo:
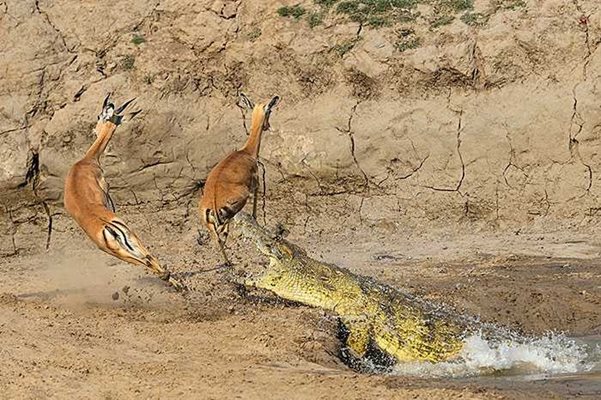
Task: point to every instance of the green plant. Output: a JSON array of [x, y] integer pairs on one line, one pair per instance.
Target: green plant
[[377, 21], [405, 16], [254, 34], [137, 39], [295, 11], [325, 3], [128, 62], [379, 13], [375, 13], [462, 5], [315, 18], [345, 47], [474, 19], [404, 45], [348, 7], [442, 20], [510, 4], [407, 40]]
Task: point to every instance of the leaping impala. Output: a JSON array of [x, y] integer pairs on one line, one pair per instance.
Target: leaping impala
[[88, 201], [231, 181]]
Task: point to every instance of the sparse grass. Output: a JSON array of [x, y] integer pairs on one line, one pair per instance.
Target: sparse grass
[[137, 39], [407, 40], [382, 13], [348, 7], [405, 45], [296, 11], [508, 4], [128, 62], [375, 13], [254, 34], [474, 19], [448, 7], [345, 47], [314, 19], [462, 5], [325, 3], [377, 21], [407, 16], [148, 79], [442, 20]]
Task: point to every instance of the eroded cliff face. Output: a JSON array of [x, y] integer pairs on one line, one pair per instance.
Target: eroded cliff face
[[494, 123]]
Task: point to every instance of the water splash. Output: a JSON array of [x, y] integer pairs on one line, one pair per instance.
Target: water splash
[[511, 354]]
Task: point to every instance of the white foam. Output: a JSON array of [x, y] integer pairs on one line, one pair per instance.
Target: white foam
[[550, 354]]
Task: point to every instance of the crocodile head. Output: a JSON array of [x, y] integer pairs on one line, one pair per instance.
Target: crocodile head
[[271, 245]]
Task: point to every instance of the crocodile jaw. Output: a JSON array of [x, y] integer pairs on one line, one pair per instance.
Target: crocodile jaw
[[249, 228]]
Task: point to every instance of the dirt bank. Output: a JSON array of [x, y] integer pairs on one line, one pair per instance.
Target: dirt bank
[[493, 123]]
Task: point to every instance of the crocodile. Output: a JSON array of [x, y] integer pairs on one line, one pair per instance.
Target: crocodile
[[403, 327]]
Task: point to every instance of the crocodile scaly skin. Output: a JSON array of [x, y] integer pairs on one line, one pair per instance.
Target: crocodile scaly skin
[[401, 325]]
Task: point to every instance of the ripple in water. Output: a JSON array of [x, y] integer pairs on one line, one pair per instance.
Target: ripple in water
[[515, 355]]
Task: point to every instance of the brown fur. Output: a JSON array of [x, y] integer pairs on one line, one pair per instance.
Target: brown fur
[[231, 182], [88, 201]]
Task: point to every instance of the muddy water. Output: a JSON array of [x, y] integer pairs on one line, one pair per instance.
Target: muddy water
[[586, 384]]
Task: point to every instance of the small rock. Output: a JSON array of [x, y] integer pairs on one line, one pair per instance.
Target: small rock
[[230, 10], [115, 296], [217, 6]]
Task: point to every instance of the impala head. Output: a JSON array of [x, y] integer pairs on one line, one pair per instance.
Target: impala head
[[110, 114], [260, 111]]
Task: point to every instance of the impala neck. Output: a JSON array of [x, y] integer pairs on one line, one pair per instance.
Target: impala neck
[[253, 143], [105, 133]]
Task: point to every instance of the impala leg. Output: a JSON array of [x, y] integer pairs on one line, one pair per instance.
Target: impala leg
[[222, 247], [163, 273], [152, 264], [226, 232], [220, 242], [255, 196]]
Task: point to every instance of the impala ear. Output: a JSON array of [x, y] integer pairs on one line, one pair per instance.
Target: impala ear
[[245, 102], [119, 119], [109, 113], [274, 102], [106, 101]]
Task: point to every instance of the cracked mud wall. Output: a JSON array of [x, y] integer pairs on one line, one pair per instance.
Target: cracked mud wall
[[496, 125]]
